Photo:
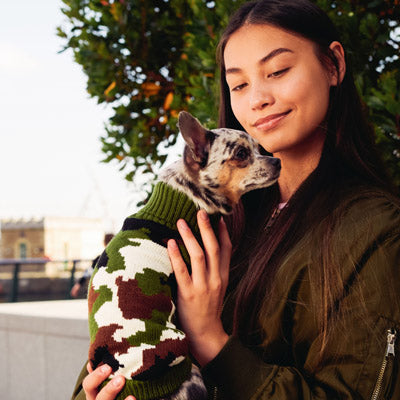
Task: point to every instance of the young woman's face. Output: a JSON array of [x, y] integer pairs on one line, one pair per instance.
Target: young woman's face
[[279, 88]]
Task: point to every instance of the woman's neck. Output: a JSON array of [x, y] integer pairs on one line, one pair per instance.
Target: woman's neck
[[296, 167], [290, 181]]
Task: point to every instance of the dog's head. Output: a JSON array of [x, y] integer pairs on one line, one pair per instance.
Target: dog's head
[[222, 164]]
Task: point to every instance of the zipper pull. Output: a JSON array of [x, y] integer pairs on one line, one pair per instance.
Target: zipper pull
[[391, 340]]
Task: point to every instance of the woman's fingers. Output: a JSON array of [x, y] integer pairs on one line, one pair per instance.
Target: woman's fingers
[[226, 252], [211, 246], [94, 379], [196, 253], [218, 254], [110, 391], [178, 265], [210, 267], [89, 368]]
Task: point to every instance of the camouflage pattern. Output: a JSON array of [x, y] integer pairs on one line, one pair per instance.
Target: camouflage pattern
[[131, 307]]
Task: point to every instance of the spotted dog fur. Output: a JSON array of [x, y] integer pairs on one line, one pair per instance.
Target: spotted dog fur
[[191, 389], [132, 319], [219, 166]]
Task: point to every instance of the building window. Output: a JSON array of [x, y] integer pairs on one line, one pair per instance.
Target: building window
[[22, 250]]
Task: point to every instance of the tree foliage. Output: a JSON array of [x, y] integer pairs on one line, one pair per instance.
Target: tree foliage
[[149, 59]]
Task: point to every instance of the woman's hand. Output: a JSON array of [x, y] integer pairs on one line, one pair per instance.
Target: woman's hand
[[201, 295], [91, 383]]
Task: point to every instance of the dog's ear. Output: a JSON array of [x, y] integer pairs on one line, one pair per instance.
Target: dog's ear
[[196, 138]]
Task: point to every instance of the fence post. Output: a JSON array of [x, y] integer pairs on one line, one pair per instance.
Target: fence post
[[72, 278], [15, 283]]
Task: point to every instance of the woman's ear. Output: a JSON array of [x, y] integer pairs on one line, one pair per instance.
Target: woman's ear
[[338, 75]]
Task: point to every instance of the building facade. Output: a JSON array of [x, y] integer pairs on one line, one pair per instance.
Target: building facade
[[56, 238]]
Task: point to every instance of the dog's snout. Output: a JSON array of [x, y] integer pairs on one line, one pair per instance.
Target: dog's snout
[[276, 162]]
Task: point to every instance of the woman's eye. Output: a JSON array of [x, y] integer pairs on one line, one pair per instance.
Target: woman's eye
[[241, 154], [238, 87], [278, 73]]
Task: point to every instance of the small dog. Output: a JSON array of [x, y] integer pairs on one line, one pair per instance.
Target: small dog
[[132, 292]]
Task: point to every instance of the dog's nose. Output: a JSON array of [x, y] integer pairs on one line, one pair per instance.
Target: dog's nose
[[276, 162]]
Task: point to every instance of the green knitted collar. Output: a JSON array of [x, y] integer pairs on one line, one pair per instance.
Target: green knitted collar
[[166, 205]]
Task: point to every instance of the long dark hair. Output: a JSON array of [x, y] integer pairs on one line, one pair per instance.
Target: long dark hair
[[349, 159]]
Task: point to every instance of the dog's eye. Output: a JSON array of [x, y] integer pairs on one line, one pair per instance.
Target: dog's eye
[[241, 154]]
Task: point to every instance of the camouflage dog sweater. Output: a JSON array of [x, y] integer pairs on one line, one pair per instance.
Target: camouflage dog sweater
[[131, 300]]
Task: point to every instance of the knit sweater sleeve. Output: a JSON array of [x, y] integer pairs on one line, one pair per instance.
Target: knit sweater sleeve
[[131, 316], [131, 301], [360, 362]]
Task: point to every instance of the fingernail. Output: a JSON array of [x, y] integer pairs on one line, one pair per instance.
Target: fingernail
[[172, 244], [118, 381], [182, 224], [105, 369], [203, 215]]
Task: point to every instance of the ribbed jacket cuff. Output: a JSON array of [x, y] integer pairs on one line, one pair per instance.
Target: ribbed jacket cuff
[[237, 371]]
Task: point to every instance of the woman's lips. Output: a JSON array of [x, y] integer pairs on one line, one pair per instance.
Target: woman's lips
[[271, 121]]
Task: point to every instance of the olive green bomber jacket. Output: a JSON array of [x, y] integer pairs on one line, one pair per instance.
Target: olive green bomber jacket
[[363, 359], [355, 366]]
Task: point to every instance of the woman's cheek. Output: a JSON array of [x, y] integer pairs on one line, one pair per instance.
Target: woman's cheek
[[240, 108], [291, 91]]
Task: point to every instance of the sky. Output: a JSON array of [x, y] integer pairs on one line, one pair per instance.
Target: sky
[[50, 149]]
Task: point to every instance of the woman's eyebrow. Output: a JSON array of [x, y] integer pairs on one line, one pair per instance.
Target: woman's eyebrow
[[274, 53], [264, 60]]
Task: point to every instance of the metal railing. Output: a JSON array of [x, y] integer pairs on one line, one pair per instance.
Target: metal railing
[[69, 266]]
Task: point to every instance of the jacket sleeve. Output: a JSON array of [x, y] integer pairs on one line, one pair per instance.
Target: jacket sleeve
[[352, 366], [238, 373], [78, 393]]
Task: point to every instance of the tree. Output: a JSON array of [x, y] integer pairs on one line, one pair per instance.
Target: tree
[[148, 59], [371, 34]]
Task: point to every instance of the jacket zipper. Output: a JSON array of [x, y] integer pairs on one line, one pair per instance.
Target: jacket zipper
[[215, 393], [389, 353]]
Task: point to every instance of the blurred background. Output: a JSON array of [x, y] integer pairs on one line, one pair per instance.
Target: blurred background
[[57, 198], [49, 127]]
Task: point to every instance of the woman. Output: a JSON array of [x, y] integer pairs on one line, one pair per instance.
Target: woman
[[312, 306]]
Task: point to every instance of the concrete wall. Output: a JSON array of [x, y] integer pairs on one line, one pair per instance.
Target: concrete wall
[[43, 346]]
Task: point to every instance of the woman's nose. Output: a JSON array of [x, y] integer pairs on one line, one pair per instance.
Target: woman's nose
[[260, 98]]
